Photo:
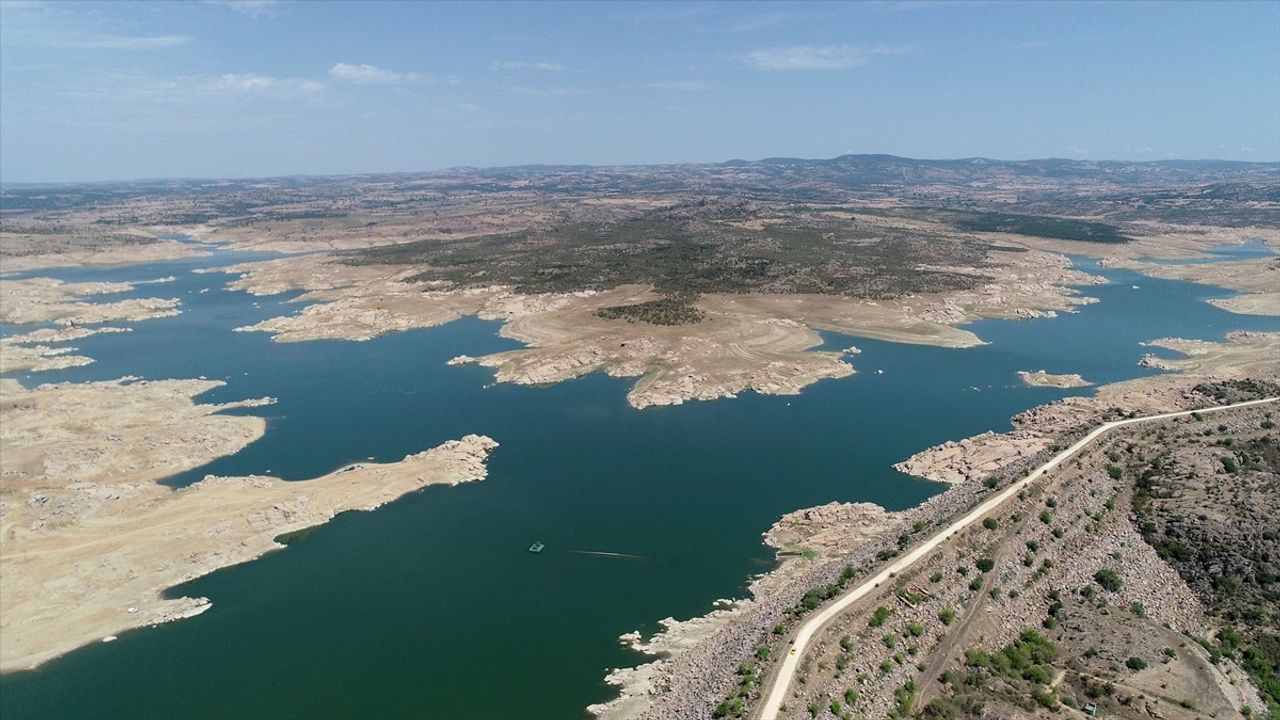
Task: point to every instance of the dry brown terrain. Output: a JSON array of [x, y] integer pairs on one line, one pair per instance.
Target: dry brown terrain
[[701, 281], [1033, 569], [759, 342]]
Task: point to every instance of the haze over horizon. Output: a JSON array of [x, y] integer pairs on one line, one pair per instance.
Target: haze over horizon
[[107, 91]]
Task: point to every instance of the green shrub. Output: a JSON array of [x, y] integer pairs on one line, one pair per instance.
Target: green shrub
[[1109, 579], [1135, 663], [879, 616], [1045, 697]]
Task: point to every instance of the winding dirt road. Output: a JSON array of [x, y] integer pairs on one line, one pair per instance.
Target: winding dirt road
[[781, 685]]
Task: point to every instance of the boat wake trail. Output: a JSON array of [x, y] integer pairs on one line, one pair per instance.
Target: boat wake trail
[[609, 554]]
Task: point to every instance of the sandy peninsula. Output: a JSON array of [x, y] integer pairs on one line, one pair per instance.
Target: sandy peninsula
[[758, 342], [21, 254], [89, 540], [31, 351], [46, 300], [1255, 279]]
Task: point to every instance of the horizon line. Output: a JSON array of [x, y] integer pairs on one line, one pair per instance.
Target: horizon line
[[451, 168]]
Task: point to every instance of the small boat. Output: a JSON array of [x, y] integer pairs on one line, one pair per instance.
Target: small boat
[[536, 547]]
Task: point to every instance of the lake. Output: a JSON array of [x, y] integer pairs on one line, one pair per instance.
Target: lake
[[431, 607]]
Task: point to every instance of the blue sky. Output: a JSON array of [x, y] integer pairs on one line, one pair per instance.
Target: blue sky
[[243, 89]]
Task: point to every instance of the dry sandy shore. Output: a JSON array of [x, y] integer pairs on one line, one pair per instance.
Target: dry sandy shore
[[763, 343], [1242, 354], [131, 254], [39, 300], [31, 351], [89, 540], [1257, 279]]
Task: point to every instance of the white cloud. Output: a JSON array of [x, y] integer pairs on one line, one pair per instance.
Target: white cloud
[[810, 57], [1077, 151], [252, 8], [668, 13], [374, 75], [254, 84], [371, 75], [525, 65], [530, 91], [759, 22], [679, 85]]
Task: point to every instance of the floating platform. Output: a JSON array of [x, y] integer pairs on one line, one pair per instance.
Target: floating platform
[[536, 547]]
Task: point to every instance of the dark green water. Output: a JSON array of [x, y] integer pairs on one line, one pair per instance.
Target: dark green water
[[431, 607]]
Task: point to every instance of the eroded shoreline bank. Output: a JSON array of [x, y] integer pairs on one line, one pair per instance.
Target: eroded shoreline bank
[[89, 540]]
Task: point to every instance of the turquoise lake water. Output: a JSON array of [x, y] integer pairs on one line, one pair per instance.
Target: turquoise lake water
[[431, 607]]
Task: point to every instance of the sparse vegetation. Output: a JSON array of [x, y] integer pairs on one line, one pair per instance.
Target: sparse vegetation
[[670, 310]]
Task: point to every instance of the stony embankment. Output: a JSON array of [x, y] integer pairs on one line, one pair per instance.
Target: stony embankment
[[690, 684], [691, 681]]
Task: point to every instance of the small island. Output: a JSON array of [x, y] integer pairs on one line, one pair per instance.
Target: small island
[[1040, 378]]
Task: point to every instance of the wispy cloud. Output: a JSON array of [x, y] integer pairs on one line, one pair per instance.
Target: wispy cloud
[[254, 84], [1077, 151], [811, 57], [520, 65], [901, 6], [252, 8], [532, 91], [104, 41], [679, 85], [59, 25], [667, 12], [374, 75], [759, 21]]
